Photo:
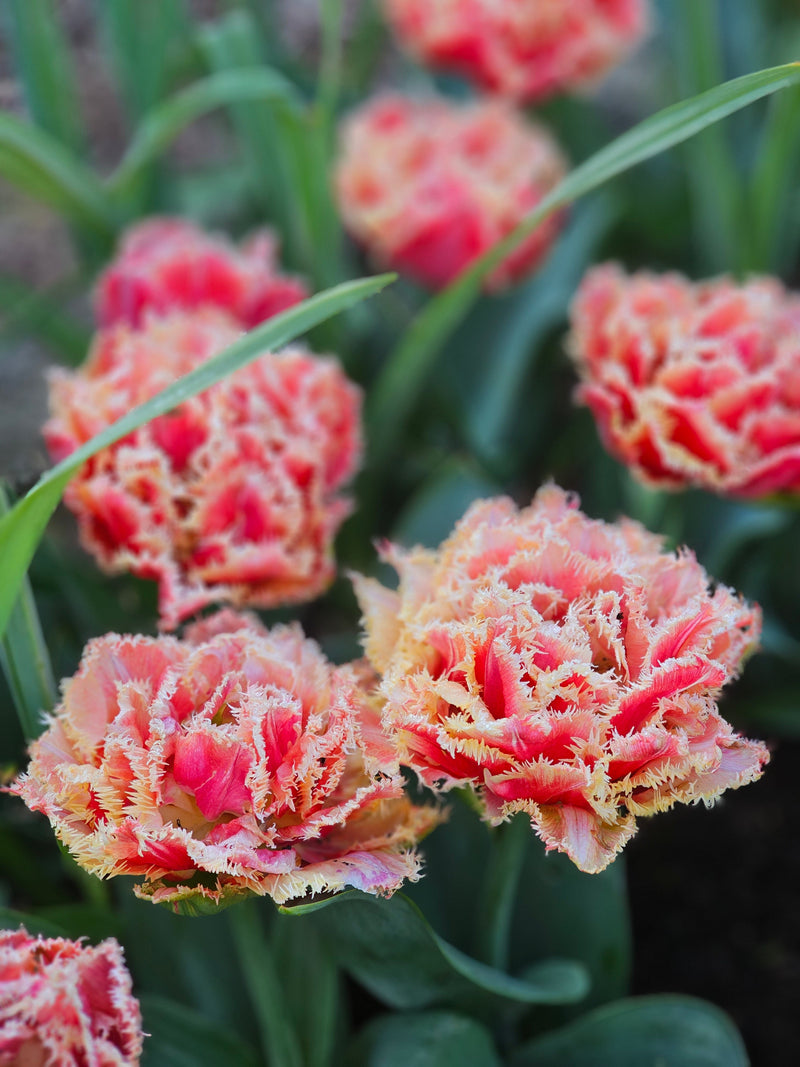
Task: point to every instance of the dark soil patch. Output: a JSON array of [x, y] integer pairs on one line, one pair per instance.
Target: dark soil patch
[[716, 907]]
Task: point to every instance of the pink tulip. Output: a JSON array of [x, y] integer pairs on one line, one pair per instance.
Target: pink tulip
[[166, 264], [523, 49], [64, 1004], [232, 497], [563, 667], [693, 384], [427, 186], [235, 761]]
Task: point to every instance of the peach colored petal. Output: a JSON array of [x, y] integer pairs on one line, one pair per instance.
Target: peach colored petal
[[427, 186], [563, 667]]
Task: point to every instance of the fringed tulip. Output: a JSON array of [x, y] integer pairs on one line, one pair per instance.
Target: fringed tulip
[[693, 384], [524, 49], [64, 1004], [427, 185], [232, 497], [235, 761], [563, 667], [166, 264]]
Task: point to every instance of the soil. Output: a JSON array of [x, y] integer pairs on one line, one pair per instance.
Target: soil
[[714, 902]]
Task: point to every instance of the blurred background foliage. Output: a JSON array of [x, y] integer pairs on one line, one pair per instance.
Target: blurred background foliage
[[227, 112]]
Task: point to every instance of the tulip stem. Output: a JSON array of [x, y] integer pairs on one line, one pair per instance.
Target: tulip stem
[[501, 887], [278, 1040]]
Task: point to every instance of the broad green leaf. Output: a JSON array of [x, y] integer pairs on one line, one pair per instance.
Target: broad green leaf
[[45, 69], [559, 912], [772, 187], [162, 124], [430, 515], [24, 657], [22, 529], [389, 947], [180, 1037], [424, 1039], [200, 968], [657, 1031], [398, 385], [39, 165], [231, 44], [513, 328], [34, 924]]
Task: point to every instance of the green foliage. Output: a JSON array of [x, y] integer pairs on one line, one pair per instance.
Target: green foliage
[[408, 366], [424, 1039], [389, 947], [658, 1031]]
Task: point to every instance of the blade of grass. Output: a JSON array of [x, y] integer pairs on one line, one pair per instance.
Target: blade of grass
[[35, 162], [774, 179], [404, 373], [24, 657], [715, 187], [230, 45], [163, 123], [45, 68], [142, 39], [22, 528]]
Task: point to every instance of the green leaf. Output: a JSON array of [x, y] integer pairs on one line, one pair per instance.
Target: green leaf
[[162, 124], [22, 529], [24, 657], [180, 1037], [45, 68], [397, 387], [34, 924], [440, 502], [39, 165], [657, 1031], [389, 947], [424, 1039]]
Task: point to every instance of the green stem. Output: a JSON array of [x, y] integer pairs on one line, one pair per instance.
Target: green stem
[[278, 1040], [330, 69], [509, 842]]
